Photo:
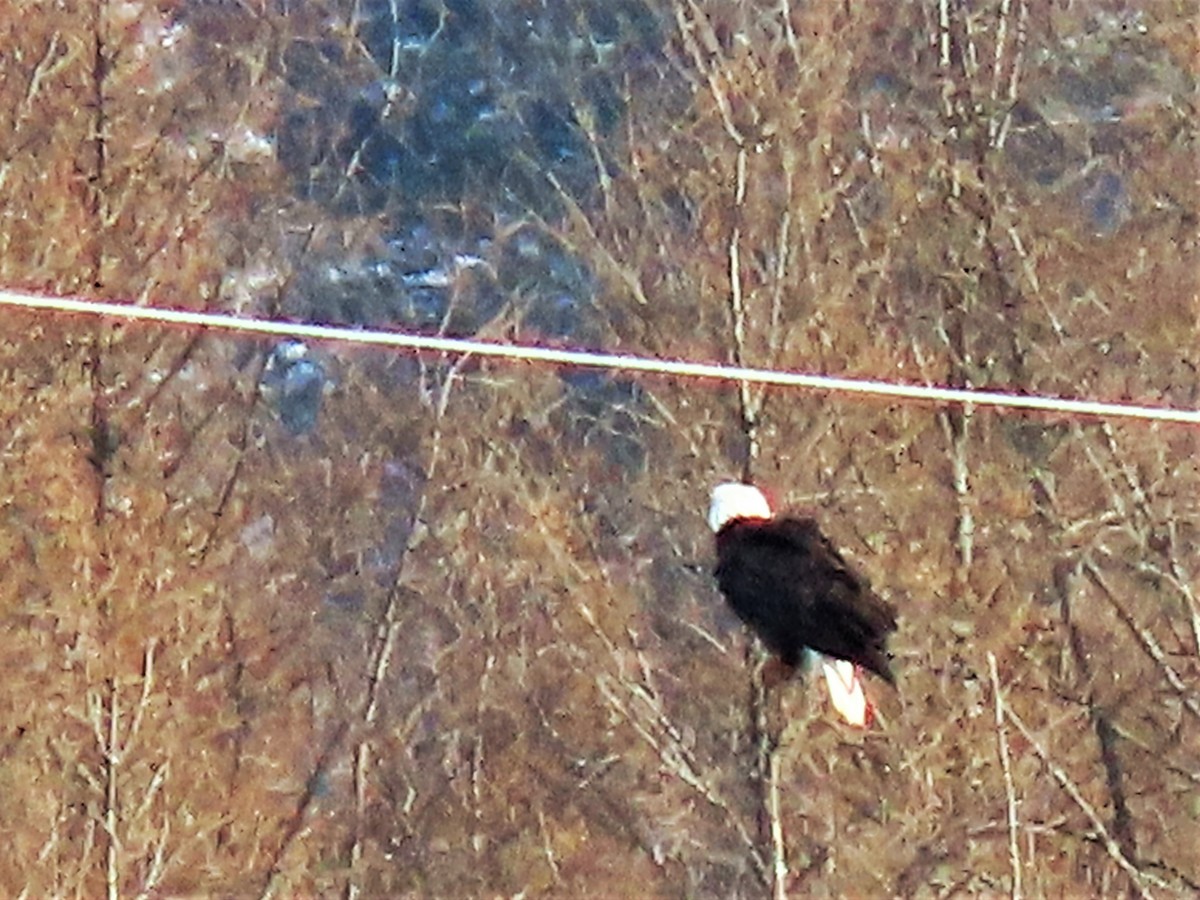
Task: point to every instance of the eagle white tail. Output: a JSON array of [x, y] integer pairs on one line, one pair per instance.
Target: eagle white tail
[[846, 691]]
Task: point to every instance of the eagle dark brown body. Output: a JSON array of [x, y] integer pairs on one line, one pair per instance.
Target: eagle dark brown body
[[786, 581]]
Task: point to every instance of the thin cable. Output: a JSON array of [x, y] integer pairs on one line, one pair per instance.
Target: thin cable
[[613, 361]]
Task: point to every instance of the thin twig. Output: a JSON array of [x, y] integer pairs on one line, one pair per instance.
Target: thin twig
[[779, 865], [957, 425], [1137, 877], [998, 67], [295, 829], [750, 404], [676, 759], [688, 30], [1182, 583], [640, 705], [1147, 640], [1009, 791], [112, 759]]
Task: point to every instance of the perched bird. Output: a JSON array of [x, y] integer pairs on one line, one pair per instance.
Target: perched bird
[[786, 581]]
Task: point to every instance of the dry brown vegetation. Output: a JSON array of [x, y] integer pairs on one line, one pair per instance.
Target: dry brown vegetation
[[459, 639]]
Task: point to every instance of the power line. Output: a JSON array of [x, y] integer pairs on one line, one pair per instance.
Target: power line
[[593, 359]]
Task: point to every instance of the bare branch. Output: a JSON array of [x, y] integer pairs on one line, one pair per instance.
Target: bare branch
[[779, 865], [750, 404], [688, 32], [1147, 640], [1136, 876], [1009, 791], [112, 758]]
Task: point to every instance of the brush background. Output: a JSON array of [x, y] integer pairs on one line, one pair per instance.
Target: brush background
[[378, 626]]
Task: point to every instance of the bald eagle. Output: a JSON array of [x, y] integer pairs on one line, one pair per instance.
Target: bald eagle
[[787, 582]]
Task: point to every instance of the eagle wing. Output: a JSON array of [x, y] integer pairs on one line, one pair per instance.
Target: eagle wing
[[793, 587]]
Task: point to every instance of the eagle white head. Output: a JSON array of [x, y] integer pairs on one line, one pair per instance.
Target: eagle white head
[[734, 500]]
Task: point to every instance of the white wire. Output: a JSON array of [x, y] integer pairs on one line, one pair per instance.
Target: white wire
[[613, 361]]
